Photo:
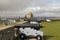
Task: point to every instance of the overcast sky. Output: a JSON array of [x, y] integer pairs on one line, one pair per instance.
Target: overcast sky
[[18, 7]]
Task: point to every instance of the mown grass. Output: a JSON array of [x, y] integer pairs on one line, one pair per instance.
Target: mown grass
[[51, 30]]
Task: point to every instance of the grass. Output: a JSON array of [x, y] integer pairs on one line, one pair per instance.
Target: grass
[[51, 30], [10, 23], [1, 25]]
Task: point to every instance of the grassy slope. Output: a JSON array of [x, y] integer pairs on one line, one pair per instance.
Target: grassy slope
[[51, 30]]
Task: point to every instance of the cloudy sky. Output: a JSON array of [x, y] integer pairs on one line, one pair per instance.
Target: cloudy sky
[[19, 7]]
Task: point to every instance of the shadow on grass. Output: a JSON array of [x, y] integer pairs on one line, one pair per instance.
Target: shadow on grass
[[46, 37]]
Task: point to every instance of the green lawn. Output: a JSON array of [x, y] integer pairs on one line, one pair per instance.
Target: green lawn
[[51, 30]]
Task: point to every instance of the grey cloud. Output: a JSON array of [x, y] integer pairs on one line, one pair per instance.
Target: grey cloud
[[16, 7], [22, 3]]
